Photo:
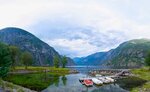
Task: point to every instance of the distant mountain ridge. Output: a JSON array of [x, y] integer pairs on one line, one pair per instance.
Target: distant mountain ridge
[[94, 59], [43, 53], [128, 54]]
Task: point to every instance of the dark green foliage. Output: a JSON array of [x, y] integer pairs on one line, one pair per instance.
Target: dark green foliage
[[56, 61], [14, 55], [147, 60], [64, 61], [5, 59], [27, 59], [130, 82], [64, 80], [34, 81]]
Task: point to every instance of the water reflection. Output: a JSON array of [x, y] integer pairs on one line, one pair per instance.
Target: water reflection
[[56, 82], [130, 82], [64, 80], [70, 83]]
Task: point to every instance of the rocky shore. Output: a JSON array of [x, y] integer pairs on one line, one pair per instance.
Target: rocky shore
[[10, 87]]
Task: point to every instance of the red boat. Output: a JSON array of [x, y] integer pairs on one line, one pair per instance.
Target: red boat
[[88, 82]]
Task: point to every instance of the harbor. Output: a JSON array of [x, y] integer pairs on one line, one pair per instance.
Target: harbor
[[75, 82], [104, 76]]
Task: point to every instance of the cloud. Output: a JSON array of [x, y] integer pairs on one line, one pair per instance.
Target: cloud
[[74, 47], [79, 27]]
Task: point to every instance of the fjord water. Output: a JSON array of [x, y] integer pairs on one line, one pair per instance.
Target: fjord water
[[70, 83]]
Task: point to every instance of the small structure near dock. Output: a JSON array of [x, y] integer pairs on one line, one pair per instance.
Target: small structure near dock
[[111, 72]]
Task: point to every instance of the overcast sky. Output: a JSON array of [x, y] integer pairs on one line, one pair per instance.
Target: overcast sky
[[79, 27]]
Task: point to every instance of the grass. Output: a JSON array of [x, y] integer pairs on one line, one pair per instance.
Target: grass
[[143, 73], [36, 81], [38, 68], [10, 87], [41, 69]]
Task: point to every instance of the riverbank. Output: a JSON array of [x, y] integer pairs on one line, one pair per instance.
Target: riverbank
[[36, 78], [35, 69], [143, 73], [10, 87]]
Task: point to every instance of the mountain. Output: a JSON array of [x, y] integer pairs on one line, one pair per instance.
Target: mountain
[[128, 54], [42, 53], [94, 59], [70, 62]]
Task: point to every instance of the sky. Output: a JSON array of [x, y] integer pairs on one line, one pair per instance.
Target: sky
[[78, 28]]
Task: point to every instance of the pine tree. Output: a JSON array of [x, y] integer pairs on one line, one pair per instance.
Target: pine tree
[[14, 55], [5, 59], [64, 61], [27, 59], [147, 60], [56, 61]]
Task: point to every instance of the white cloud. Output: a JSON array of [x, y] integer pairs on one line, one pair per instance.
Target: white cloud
[[77, 47], [79, 27]]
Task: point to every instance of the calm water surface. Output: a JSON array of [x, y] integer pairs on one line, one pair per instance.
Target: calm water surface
[[70, 83]]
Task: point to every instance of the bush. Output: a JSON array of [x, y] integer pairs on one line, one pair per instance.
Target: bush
[[5, 59]]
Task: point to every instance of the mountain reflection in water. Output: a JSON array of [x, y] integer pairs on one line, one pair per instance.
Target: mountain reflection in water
[[70, 83]]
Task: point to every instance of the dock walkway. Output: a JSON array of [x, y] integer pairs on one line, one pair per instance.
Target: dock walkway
[[110, 72]]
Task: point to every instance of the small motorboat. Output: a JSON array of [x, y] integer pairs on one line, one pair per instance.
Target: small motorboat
[[88, 82], [110, 79], [96, 81], [104, 80], [98, 75], [81, 80]]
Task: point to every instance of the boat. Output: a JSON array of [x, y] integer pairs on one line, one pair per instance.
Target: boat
[[96, 81], [88, 82], [110, 79], [104, 80], [81, 80], [98, 75]]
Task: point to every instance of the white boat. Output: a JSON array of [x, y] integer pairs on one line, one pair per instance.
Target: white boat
[[98, 75], [96, 81], [84, 78], [104, 80], [110, 79]]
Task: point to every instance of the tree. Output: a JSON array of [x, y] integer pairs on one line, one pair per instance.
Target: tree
[[64, 61], [147, 60], [64, 80], [56, 61], [5, 59], [26, 59], [14, 51]]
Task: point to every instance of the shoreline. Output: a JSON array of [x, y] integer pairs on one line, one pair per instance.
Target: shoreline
[[11, 87], [136, 72], [32, 69]]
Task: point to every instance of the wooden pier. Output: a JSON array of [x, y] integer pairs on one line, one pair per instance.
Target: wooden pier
[[110, 72]]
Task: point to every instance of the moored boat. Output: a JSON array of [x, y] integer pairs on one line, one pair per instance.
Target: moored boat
[[88, 82], [98, 75], [96, 81], [110, 79], [82, 80], [104, 80]]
